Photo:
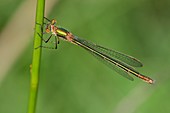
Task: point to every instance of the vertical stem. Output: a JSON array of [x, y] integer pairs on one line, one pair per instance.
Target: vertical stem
[[35, 67]]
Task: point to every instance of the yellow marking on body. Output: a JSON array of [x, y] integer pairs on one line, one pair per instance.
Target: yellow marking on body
[[60, 32]]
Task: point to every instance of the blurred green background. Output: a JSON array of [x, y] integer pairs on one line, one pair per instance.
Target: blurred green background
[[73, 81]]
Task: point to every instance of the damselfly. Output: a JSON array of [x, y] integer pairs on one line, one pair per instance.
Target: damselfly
[[121, 63]]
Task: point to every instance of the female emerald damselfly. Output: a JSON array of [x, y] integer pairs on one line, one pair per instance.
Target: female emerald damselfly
[[121, 63]]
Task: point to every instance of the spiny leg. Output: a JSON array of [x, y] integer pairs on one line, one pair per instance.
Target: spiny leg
[[47, 19], [43, 33], [56, 42], [41, 29], [41, 26], [46, 41]]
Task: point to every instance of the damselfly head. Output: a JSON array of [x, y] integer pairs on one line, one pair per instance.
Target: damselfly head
[[53, 21]]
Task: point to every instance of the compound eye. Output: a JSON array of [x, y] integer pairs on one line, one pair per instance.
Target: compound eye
[[53, 21]]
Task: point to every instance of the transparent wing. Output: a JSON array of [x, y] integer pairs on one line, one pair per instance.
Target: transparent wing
[[114, 64], [120, 56], [114, 54]]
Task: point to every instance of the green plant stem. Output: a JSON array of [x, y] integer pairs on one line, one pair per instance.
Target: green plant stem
[[35, 67]]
